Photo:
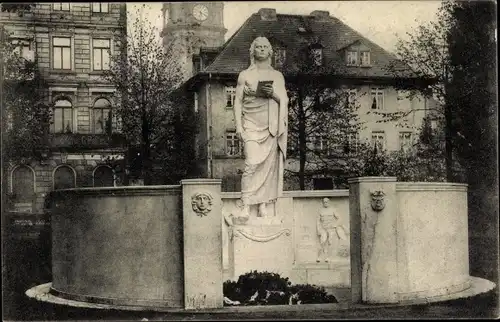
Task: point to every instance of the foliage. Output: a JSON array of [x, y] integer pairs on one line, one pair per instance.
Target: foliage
[[265, 288], [27, 115], [422, 162], [322, 116], [311, 294], [473, 91], [146, 74], [20, 8], [436, 51], [426, 55]]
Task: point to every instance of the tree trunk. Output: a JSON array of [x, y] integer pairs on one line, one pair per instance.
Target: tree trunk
[[146, 152], [302, 140], [449, 142]]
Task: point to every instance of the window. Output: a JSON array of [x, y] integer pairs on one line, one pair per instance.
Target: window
[[64, 177], [196, 102], [352, 143], [317, 56], [233, 147], [23, 48], [434, 124], [357, 57], [61, 53], [100, 53], [62, 119], [230, 96], [378, 140], [403, 98], [61, 6], [352, 58], [405, 141], [23, 184], [103, 176], [100, 7], [102, 116], [352, 96], [321, 143], [365, 58], [279, 57], [377, 98]]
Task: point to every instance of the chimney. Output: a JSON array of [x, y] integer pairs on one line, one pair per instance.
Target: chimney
[[267, 14], [320, 14]]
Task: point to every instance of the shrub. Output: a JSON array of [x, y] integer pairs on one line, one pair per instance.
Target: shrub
[[265, 288]]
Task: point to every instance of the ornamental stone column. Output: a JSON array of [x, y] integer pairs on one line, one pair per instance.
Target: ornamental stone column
[[203, 270]]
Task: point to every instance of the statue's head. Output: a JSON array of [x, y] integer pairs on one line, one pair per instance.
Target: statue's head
[[202, 203], [326, 202], [260, 49]]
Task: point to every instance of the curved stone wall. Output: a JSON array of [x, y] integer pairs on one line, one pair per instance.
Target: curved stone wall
[[432, 239], [119, 246]]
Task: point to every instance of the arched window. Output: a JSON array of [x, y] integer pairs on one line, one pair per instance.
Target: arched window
[[103, 120], [23, 184], [103, 176], [62, 119], [64, 177]]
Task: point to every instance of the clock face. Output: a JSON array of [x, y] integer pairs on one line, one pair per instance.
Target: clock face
[[200, 12]]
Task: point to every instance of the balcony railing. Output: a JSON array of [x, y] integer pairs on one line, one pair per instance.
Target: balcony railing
[[86, 141]]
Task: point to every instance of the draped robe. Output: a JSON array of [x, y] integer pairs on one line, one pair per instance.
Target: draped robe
[[264, 123]]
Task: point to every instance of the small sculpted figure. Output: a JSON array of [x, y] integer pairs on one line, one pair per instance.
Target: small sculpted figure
[[331, 231]]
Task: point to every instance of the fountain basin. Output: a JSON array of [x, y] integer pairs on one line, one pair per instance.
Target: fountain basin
[[118, 246]]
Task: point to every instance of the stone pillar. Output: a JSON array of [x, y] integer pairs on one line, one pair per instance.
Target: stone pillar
[[373, 208], [202, 208]]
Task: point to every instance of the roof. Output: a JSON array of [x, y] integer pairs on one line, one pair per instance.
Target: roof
[[330, 32]]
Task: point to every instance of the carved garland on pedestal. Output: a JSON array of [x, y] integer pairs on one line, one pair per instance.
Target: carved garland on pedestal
[[262, 239]]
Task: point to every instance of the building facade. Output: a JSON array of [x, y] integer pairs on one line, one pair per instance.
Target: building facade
[[72, 44], [361, 70]]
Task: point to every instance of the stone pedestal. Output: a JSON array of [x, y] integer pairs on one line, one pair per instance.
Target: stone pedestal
[[262, 248], [373, 221], [202, 208]]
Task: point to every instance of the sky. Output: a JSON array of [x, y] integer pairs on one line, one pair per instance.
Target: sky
[[381, 21]]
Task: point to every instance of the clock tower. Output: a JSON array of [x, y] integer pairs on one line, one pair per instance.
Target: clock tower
[[192, 25]]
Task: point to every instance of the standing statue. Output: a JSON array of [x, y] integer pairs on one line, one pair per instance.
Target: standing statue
[[331, 231], [261, 115]]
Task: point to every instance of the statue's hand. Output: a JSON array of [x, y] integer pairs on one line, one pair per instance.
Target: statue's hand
[[268, 90], [239, 135]]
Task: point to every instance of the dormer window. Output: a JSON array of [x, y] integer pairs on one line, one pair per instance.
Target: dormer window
[[365, 58], [356, 57], [352, 58], [317, 56], [279, 57]]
